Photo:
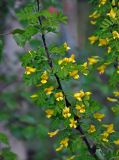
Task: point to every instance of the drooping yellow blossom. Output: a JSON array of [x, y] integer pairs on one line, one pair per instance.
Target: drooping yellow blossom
[[116, 142], [73, 123], [74, 74], [88, 93], [59, 96], [79, 95], [59, 148], [34, 96], [93, 60], [67, 60], [44, 77], [60, 61], [71, 158], [101, 69], [92, 128], [63, 144], [85, 65], [103, 42], [66, 112], [52, 134], [115, 35], [98, 116], [93, 39], [112, 99], [30, 70], [110, 128], [48, 90], [80, 108], [112, 13], [66, 46], [72, 58], [102, 2], [93, 22], [49, 113], [104, 136], [116, 93], [94, 15], [109, 49]]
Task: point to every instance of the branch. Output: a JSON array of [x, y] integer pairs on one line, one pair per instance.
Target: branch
[[91, 147], [3, 34]]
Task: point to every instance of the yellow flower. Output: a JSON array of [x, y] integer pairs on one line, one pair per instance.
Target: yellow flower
[[88, 93], [93, 39], [30, 70], [66, 112], [60, 61], [66, 46], [49, 90], [73, 123], [98, 116], [94, 15], [72, 58], [66, 60], [111, 14], [93, 22], [101, 69], [93, 60], [115, 34], [59, 96], [34, 96], [102, 2], [79, 95], [44, 77], [59, 148], [80, 108], [116, 142], [116, 93], [52, 134], [49, 113], [104, 136], [109, 50], [85, 67], [74, 74], [112, 99], [110, 128], [63, 144], [71, 158], [103, 42], [92, 128]]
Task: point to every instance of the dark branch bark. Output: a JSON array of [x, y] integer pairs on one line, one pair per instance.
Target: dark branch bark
[[91, 147]]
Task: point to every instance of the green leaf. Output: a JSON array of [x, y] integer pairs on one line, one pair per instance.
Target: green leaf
[[3, 138], [22, 37], [8, 155], [41, 131]]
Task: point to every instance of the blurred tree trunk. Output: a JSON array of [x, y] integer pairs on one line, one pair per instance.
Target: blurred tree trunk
[[77, 12]]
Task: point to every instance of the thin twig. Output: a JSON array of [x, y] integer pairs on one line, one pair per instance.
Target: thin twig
[[3, 34]]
